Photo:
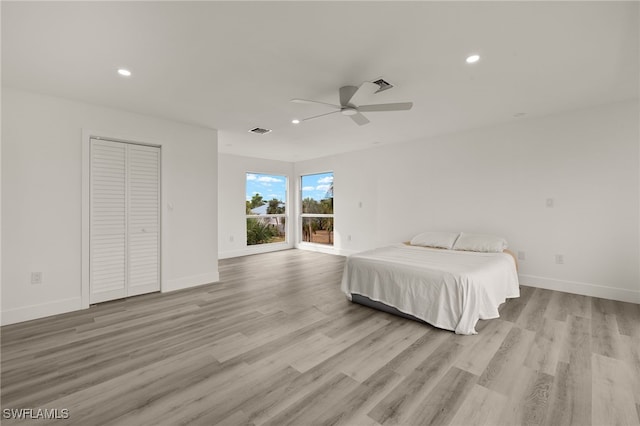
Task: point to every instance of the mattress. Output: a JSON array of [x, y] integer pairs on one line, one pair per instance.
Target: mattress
[[448, 289]]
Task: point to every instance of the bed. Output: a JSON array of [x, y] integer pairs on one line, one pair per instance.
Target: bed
[[449, 289]]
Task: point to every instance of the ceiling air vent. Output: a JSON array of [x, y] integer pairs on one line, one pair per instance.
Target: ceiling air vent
[[383, 85], [259, 131]]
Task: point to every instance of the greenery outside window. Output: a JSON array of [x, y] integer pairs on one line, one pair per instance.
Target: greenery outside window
[[317, 208], [265, 208]]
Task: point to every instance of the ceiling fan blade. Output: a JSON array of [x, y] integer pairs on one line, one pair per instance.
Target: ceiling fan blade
[[401, 106], [359, 119], [346, 93], [365, 90], [306, 101], [316, 116]]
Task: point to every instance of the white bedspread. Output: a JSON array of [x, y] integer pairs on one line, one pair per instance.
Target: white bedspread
[[446, 288]]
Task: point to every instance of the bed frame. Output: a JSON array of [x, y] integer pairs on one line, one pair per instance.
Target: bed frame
[[365, 301]]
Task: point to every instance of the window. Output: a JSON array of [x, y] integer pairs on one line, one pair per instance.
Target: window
[[317, 208], [266, 197]]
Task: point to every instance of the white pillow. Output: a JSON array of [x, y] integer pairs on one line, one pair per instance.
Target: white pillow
[[435, 239], [480, 242]]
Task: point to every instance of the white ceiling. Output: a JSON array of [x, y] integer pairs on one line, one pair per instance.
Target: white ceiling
[[235, 65]]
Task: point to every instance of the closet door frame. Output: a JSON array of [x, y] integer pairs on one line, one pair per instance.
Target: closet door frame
[[87, 135]]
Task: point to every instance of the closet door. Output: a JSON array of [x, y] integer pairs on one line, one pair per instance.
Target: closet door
[[108, 234], [144, 220], [124, 219]]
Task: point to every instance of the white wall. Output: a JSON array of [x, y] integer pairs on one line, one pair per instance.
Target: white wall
[[232, 239], [496, 180], [41, 199], [355, 203]]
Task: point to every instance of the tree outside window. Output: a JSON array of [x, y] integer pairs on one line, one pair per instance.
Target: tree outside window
[[265, 208], [317, 208]]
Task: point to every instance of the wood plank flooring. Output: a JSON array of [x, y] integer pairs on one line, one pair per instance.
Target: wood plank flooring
[[275, 342]]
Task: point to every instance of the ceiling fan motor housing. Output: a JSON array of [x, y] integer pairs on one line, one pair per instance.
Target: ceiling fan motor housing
[[348, 110]]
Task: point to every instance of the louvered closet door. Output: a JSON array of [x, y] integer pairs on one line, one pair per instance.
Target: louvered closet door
[[108, 221], [125, 220], [144, 219]]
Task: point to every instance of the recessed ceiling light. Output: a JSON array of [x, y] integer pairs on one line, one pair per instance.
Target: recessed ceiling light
[[295, 121], [124, 72], [473, 59], [519, 114]]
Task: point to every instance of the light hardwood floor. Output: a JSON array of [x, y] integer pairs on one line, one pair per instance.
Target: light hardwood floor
[[275, 342]]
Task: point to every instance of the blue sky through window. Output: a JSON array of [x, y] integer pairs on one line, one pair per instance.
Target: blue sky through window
[[316, 186], [269, 186]]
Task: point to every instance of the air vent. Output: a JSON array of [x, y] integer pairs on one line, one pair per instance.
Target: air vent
[[383, 85], [259, 131]]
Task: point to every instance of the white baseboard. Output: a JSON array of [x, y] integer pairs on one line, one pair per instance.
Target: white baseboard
[[192, 281], [347, 252], [28, 313], [586, 289], [321, 248], [257, 249], [267, 248]]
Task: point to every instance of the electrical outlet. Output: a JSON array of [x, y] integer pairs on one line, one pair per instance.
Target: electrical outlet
[[521, 255], [231, 238], [550, 202], [348, 237], [36, 278], [560, 259]]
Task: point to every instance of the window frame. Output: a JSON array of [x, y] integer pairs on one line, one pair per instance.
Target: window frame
[[302, 216], [285, 215]]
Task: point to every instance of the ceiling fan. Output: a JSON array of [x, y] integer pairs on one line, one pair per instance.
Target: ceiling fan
[[347, 106]]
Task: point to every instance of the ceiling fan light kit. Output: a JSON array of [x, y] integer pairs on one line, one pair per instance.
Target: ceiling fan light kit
[[346, 107]]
